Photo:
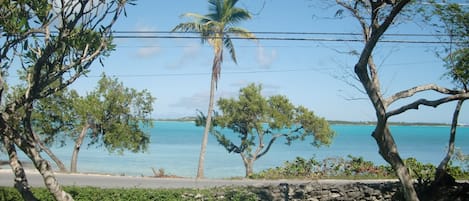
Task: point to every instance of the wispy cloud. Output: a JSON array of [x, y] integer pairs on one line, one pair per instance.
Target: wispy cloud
[[264, 58], [199, 100], [148, 47], [189, 52]]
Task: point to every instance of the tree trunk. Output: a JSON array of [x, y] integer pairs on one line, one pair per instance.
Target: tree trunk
[[47, 173], [76, 148], [249, 165], [44, 148], [213, 85], [203, 147], [21, 182], [441, 175], [388, 150]]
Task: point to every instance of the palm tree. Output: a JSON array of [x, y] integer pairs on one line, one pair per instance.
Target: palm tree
[[216, 28]]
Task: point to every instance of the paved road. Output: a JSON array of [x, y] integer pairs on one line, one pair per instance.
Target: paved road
[[105, 181]]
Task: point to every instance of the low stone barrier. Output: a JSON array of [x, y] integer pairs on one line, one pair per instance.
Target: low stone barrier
[[324, 192]]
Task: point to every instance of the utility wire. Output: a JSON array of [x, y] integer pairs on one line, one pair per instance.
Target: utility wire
[[301, 37], [280, 33]]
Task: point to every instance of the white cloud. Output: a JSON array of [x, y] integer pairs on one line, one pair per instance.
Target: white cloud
[[189, 52], [265, 59], [199, 100], [147, 52], [148, 47]]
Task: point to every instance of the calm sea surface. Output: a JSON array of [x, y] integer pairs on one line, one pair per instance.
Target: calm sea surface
[[175, 147]]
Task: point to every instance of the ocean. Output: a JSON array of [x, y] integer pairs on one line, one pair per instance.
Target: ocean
[[175, 148]]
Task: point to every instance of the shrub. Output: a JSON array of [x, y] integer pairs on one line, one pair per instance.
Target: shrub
[[352, 168]]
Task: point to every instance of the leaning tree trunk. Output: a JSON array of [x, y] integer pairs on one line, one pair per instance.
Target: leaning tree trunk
[[46, 171], [76, 149], [441, 171], [44, 148], [208, 123], [21, 182], [203, 147], [388, 150]]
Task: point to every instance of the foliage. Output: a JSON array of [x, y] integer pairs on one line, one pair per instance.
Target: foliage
[[424, 173], [92, 193], [50, 44], [454, 22], [216, 28], [256, 120], [351, 168], [114, 112], [462, 158]]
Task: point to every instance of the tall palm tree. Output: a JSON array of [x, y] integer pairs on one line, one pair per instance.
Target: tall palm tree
[[216, 28]]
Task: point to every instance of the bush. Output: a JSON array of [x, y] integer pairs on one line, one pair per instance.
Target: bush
[[352, 168]]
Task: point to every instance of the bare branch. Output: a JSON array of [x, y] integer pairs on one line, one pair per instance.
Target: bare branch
[[432, 103], [411, 92]]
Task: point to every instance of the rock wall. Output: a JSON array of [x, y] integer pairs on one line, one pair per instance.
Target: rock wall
[[315, 191], [321, 192]]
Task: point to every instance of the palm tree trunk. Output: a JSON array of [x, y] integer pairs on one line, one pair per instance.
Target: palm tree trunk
[[44, 148], [203, 148], [216, 67], [76, 148], [21, 182]]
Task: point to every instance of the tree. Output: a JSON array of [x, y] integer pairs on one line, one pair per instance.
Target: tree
[[375, 17], [216, 28], [112, 115], [455, 24], [259, 122], [51, 43]]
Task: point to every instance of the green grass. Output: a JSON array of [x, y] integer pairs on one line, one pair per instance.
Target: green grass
[[137, 194]]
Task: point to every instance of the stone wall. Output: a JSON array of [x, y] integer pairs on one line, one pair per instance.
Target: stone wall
[[315, 191], [320, 192]]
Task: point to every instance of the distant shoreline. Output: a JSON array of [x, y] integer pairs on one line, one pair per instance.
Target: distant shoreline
[[338, 122]]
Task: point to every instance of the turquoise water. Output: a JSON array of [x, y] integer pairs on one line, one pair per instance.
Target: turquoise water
[[175, 147]]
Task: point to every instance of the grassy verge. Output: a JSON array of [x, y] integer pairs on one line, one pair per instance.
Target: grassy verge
[[92, 194]]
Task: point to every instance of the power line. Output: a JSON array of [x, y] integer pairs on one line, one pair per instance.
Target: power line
[[282, 37], [240, 72], [281, 33]]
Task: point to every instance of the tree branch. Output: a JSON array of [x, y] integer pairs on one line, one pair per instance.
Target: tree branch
[[433, 103], [274, 137], [412, 91]]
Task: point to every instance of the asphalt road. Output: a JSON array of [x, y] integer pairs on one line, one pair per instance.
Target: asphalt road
[[107, 181]]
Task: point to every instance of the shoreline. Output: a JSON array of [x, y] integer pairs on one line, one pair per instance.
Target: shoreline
[[339, 122]]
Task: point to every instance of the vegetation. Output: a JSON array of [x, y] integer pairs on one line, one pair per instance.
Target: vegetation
[[454, 21], [374, 18], [92, 194], [259, 122], [111, 115], [50, 44], [352, 168], [216, 28]]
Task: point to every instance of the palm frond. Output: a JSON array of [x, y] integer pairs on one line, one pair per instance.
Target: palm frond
[[216, 9], [216, 68], [196, 16], [236, 15], [187, 27], [241, 32], [228, 43]]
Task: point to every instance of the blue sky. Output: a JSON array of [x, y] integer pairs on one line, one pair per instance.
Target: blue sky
[[309, 73]]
